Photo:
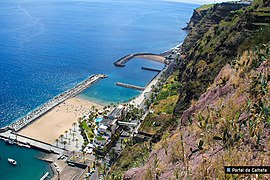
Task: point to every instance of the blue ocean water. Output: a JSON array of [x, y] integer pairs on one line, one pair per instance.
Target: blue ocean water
[[49, 46]]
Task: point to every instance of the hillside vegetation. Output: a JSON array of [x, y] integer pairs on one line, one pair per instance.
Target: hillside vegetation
[[222, 114], [217, 39], [228, 125]]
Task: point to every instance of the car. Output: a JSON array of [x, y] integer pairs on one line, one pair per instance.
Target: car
[[71, 164]]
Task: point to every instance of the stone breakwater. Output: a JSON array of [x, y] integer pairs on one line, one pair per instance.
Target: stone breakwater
[[130, 86], [150, 56], [30, 117]]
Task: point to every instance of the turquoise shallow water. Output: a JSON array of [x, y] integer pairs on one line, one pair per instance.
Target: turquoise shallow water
[[29, 166]]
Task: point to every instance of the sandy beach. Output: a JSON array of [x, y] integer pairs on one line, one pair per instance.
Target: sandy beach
[[54, 123]]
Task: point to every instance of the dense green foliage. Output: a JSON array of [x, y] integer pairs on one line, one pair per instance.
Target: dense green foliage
[[132, 156], [88, 129]]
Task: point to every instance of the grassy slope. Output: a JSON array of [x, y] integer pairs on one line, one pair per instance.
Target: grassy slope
[[204, 7], [231, 129], [137, 154], [217, 42], [162, 106]]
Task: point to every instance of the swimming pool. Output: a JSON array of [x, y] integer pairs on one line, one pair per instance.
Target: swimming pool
[[97, 120]]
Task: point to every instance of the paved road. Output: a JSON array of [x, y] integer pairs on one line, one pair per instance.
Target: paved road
[[95, 175]]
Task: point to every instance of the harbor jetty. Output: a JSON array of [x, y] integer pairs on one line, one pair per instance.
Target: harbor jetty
[[7, 134], [150, 56], [45, 176], [130, 86], [30, 117], [151, 69]]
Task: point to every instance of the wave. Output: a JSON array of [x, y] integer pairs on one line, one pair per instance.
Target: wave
[[35, 22]]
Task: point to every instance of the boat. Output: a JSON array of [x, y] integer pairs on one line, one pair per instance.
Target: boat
[[12, 161], [10, 142]]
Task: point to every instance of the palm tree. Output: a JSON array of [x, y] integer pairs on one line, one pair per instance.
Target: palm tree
[[74, 125], [57, 141], [73, 155], [112, 154], [65, 143], [121, 142], [93, 108], [61, 137], [66, 133], [70, 131], [84, 157], [77, 142], [73, 135], [80, 119], [69, 140], [104, 168]]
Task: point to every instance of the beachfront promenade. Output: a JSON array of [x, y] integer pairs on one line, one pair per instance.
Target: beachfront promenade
[[151, 56], [38, 112], [141, 99]]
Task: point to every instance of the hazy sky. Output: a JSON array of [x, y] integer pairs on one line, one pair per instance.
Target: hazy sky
[[199, 1]]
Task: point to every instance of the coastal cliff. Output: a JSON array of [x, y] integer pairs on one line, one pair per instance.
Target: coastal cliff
[[220, 36], [221, 114], [197, 15]]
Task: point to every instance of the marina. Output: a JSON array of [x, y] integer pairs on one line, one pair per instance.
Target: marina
[[30, 117], [29, 166]]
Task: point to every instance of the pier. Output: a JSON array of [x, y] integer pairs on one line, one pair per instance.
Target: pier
[[151, 69], [30, 117], [150, 56], [45, 176], [7, 134], [130, 86]]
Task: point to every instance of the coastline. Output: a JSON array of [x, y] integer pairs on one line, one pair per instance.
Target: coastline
[[58, 120], [51, 125], [140, 100], [46, 107]]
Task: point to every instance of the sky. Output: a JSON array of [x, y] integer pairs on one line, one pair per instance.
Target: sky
[[199, 1]]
